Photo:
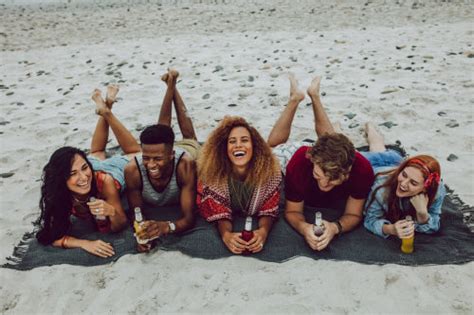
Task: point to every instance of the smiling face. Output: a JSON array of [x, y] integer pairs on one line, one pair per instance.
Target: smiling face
[[80, 178], [324, 182], [239, 148], [410, 182], [157, 159]]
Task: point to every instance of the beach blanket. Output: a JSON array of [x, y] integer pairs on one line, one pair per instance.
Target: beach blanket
[[453, 244]]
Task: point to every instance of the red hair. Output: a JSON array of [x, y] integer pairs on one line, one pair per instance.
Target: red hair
[[431, 171]]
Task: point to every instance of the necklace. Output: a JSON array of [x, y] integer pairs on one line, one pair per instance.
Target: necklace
[[240, 194], [79, 200]]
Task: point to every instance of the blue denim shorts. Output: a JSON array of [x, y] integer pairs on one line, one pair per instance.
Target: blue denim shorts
[[114, 166], [381, 159]]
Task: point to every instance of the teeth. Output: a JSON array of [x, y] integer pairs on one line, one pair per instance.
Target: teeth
[[239, 153]]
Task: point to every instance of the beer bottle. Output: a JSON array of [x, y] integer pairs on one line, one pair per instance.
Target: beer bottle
[[137, 225], [407, 243], [318, 228], [247, 233], [98, 217]]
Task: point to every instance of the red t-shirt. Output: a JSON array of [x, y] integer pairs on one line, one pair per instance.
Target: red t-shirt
[[300, 185]]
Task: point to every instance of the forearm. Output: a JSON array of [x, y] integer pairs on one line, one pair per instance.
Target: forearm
[[349, 222], [296, 220], [389, 229], [184, 223], [422, 217], [117, 222], [265, 223], [69, 242], [224, 227]]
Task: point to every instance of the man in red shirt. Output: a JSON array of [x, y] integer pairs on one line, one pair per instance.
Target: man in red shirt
[[329, 171]]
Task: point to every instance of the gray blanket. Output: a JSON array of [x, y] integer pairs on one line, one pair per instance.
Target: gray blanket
[[451, 245]]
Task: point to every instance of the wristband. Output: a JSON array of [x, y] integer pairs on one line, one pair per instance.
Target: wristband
[[339, 227], [64, 242]]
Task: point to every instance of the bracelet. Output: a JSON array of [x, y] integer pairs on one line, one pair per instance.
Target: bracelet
[[64, 242], [339, 227]]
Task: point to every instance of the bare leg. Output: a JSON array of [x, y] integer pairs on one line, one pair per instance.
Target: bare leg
[[374, 138], [321, 120], [282, 128], [101, 133], [124, 137], [184, 121], [165, 111]]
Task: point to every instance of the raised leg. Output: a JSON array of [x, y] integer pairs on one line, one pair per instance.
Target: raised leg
[[184, 121], [165, 111], [321, 120], [282, 128], [101, 132], [374, 138], [124, 137]]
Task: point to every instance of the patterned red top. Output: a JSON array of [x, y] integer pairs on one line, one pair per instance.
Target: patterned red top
[[214, 201]]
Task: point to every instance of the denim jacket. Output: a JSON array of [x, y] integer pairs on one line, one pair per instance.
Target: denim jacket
[[375, 213]]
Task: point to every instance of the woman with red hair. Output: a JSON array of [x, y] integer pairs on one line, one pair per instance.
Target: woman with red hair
[[410, 187]]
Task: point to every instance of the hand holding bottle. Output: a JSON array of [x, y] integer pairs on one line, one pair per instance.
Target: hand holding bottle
[[151, 230], [308, 234], [330, 230], [234, 242], [258, 240], [404, 229], [100, 208]]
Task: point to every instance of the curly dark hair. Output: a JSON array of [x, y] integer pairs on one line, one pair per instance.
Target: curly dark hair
[[214, 166], [334, 153], [56, 199]]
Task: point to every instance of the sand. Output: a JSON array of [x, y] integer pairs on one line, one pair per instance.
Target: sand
[[404, 64]]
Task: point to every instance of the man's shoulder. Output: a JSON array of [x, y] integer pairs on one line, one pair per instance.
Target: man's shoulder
[[186, 166], [299, 159], [361, 166]]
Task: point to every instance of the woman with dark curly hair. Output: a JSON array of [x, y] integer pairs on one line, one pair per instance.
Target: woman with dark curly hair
[[87, 187], [238, 175]]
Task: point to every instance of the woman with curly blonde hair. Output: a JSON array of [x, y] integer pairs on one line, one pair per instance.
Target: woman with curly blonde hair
[[238, 175]]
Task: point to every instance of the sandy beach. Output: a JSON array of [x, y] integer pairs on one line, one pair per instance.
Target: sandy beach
[[404, 65]]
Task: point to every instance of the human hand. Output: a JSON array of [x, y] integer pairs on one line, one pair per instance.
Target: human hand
[[258, 240], [420, 203], [100, 207], [308, 234], [150, 230], [98, 248], [234, 242], [330, 230], [144, 248], [404, 228]]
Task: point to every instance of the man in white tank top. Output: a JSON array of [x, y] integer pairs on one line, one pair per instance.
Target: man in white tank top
[[165, 173]]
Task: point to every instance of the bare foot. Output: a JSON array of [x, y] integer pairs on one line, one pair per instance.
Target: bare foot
[[172, 74], [110, 98], [374, 138], [296, 95], [313, 89], [164, 77], [101, 107]]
